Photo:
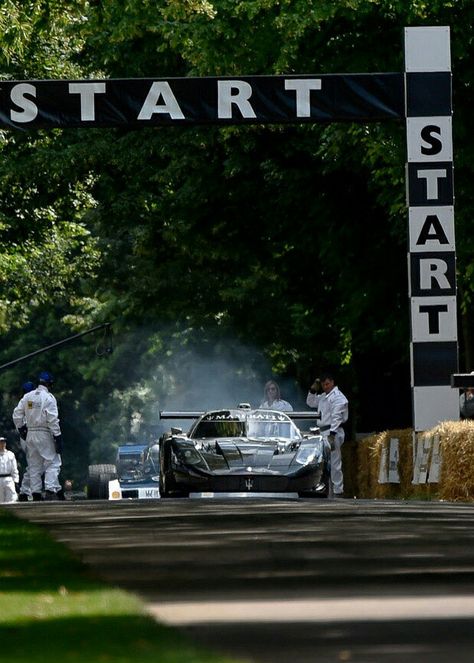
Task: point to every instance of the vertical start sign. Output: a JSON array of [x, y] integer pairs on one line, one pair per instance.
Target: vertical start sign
[[430, 200]]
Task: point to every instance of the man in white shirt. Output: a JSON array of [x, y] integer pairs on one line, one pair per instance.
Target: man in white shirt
[[333, 407], [8, 473]]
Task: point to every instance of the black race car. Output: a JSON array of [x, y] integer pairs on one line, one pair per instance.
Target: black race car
[[243, 451]]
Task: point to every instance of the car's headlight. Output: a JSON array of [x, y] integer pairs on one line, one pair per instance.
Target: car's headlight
[[190, 455], [306, 455]]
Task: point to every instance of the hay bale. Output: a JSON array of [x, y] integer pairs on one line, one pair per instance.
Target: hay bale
[[457, 464], [405, 464], [457, 460], [369, 456]]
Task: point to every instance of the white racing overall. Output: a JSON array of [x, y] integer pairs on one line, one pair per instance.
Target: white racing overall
[[39, 410], [8, 476], [25, 488], [334, 409]]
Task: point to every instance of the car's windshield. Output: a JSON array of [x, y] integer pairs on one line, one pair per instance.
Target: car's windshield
[[129, 464], [265, 429], [261, 425], [219, 429]]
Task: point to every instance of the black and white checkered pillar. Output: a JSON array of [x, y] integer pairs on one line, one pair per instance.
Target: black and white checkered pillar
[[432, 251]]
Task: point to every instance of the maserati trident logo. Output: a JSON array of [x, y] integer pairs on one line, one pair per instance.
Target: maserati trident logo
[[249, 484]]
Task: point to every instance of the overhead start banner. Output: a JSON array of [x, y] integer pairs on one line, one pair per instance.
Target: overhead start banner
[[180, 101]]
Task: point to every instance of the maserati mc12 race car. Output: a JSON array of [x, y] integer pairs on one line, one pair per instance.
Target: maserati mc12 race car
[[243, 451]]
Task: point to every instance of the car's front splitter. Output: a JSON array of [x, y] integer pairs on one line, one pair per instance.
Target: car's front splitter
[[303, 480]]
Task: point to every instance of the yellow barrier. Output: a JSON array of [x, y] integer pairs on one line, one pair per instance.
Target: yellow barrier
[[361, 464]]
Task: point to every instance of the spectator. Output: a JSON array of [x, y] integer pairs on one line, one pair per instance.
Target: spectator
[[333, 407], [272, 398], [68, 485], [37, 421], [8, 473], [466, 403]]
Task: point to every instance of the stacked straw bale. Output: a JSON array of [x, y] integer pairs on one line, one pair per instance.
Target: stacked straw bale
[[457, 460], [369, 455], [456, 481]]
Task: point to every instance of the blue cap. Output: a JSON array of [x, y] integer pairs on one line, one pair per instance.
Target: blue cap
[[44, 376], [27, 387]]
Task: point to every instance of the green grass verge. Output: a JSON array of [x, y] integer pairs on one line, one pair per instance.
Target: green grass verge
[[52, 609]]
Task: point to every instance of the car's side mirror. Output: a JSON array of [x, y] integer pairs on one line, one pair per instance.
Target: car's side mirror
[[176, 430]]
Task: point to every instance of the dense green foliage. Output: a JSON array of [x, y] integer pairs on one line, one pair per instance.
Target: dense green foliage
[[222, 256]]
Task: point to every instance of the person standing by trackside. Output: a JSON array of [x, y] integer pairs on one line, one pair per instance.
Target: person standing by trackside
[[466, 402], [25, 489], [8, 473], [37, 421], [333, 407], [272, 399]]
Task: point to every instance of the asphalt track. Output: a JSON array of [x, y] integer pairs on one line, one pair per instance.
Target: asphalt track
[[279, 581]]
